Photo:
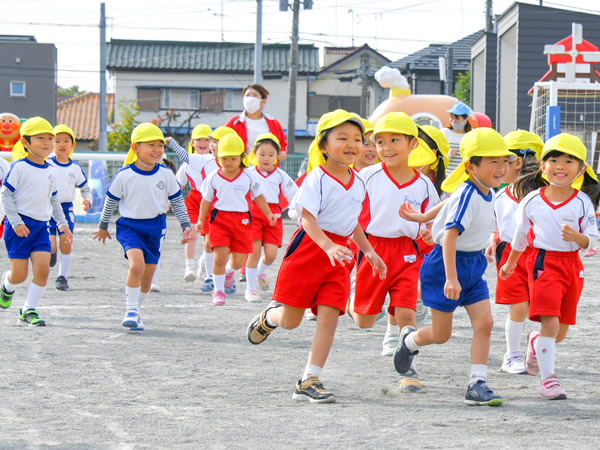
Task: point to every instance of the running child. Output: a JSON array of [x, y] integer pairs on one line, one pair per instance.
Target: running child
[[368, 156], [557, 220], [329, 201], [513, 292], [461, 232], [230, 218], [29, 197], [389, 184], [69, 176], [266, 236], [143, 191]]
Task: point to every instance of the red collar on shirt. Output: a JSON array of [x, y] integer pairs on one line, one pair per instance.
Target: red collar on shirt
[[399, 186], [552, 205], [346, 186]]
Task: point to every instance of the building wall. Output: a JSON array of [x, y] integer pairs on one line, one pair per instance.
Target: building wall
[[35, 64], [507, 82]]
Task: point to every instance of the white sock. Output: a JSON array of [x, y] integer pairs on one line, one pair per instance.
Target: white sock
[[141, 298], [190, 263], [251, 278], [219, 282], [311, 371], [391, 330], [410, 342], [65, 262], [478, 372], [34, 295], [545, 349], [262, 267], [268, 320], [229, 269], [132, 295], [155, 276], [209, 259], [8, 286], [413, 365], [513, 331]]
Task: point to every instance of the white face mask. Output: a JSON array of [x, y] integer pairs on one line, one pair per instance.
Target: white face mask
[[458, 125], [252, 104]]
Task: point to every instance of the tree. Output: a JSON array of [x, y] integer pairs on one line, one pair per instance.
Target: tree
[[172, 115], [73, 91], [119, 139], [462, 88]]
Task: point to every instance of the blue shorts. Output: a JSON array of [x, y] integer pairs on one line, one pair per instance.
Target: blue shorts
[[69, 215], [21, 247], [470, 267], [145, 234]]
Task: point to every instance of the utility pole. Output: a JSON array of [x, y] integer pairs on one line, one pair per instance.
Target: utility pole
[[489, 16], [364, 77], [258, 44], [102, 112], [449, 72], [293, 76]]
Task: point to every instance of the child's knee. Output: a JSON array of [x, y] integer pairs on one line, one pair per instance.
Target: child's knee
[[484, 325], [289, 322], [364, 321]]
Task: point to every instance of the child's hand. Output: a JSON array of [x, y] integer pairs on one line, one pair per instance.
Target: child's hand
[[340, 254], [506, 271], [21, 230], [452, 289], [187, 235], [86, 205], [168, 139], [101, 235], [568, 233], [490, 252], [66, 235], [272, 219], [199, 225], [427, 236], [377, 264], [408, 213]]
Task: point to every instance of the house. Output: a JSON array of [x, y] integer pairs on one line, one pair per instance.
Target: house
[[502, 82], [202, 82], [27, 77]]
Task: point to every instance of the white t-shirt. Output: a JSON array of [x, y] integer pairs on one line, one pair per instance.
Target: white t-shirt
[[472, 213], [181, 176], [385, 196], [143, 194], [539, 221], [454, 139], [275, 182], [70, 176], [231, 195], [33, 186], [254, 128], [334, 205], [4, 168], [504, 209], [198, 167]]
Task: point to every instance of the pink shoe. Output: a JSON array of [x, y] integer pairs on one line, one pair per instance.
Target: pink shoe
[[551, 389], [531, 364], [219, 298], [263, 282], [591, 252], [229, 280]]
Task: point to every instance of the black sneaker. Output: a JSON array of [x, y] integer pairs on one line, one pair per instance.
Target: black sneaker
[[258, 330], [312, 390], [242, 277], [403, 356], [53, 259], [62, 284], [480, 394], [30, 318], [5, 297]]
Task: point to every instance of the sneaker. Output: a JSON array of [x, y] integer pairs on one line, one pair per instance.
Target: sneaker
[[263, 282], [312, 390], [421, 313], [258, 330], [531, 364], [409, 382], [189, 275], [229, 283], [480, 394], [154, 287], [242, 277], [132, 320], [140, 325], [402, 355], [513, 363], [5, 297], [208, 285], [389, 344], [219, 298], [591, 252], [251, 296], [30, 318], [551, 389], [308, 315], [61, 283], [53, 259]]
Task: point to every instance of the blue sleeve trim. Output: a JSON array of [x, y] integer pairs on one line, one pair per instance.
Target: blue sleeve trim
[[109, 195], [463, 203], [8, 185], [171, 197], [54, 193], [82, 184], [456, 225]]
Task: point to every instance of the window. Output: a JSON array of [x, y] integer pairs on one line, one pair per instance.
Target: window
[[17, 89], [149, 99], [194, 99]]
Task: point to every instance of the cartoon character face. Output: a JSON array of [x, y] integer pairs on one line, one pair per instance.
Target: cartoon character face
[[9, 127]]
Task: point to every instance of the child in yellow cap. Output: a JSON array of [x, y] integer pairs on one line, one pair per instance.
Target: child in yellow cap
[[225, 190], [266, 236], [143, 190], [315, 272], [70, 176], [461, 232], [557, 220], [30, 199], [368, 156]]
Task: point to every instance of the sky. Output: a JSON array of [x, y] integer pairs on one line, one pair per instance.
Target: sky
[[395, 28]]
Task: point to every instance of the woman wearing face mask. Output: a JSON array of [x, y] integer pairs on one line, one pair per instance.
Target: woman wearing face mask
[[459, 125], [252, 122]]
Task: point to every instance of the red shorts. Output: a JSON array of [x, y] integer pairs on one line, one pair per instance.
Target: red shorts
[[555, 283], [262, 229], [402, 260], [424, 247], [306, 278], [355, 252], [192, 204], [231, 229], [206, 225], [516, 288]]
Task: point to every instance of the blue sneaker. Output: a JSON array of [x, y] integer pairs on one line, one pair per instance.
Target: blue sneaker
[[479, 394], [403, 356], [208, 285], [133, 321]]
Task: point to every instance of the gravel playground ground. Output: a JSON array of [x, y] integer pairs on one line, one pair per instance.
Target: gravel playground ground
[[192, 380]]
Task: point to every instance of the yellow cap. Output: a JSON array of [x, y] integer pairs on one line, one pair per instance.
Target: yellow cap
[[144, 132], [571, 145], [327, 122], [200, 131], [232, 145], [62, 128], [525, 140], [485, 142], [396, 122], [443, 146], [368, 126], [263, 137], [219, 132], [31, 127], [421, 155]]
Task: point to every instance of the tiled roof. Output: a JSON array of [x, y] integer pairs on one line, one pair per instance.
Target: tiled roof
[[207, 56], [427, 58], [81, 114]]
